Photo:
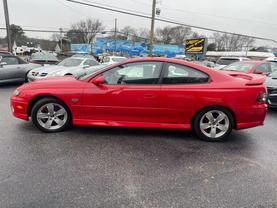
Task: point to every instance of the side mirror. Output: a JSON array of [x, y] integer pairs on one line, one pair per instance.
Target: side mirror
[[3, 64], [99, 80]]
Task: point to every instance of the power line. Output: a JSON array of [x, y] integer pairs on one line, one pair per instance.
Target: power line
[[127, 12], [167, 7], [217, 16], [75, 32]]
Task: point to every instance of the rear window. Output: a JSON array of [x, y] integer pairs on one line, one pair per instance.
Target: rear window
[[241, 67], [226, 61]]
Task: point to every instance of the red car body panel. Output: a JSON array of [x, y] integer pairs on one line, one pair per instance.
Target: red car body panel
[[149, 106]]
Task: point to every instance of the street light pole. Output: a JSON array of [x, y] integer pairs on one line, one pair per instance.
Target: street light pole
[[115, 34], [152, 27], [6, 11]]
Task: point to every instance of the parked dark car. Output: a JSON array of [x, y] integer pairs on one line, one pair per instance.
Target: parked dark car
[[13, 69], [43, 58], [271, 83]]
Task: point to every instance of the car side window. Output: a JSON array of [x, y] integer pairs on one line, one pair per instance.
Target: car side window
[[273, 67], [90, 62], [10, 60], [263, 68], [106, 59], [180, 74], [134, 73]]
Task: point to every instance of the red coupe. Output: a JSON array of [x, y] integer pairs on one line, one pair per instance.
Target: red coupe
[[148, 93]]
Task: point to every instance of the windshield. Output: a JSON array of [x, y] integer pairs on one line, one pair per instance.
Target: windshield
[[90, 71], [118, 59], [41, 56], [241, 67], [70, 62], [226, 61]]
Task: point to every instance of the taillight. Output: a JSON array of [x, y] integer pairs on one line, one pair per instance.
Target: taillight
[[261, 98]]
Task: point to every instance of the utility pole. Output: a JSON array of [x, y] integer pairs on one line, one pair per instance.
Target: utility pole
[[115, 34], [152, 27], [61, 39], [6, 11]]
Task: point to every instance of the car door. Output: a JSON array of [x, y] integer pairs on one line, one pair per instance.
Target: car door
[[11, 70], [131, 93], [181, 92]]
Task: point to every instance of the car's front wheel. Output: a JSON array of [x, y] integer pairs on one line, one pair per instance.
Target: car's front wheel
[[50, 115], [213, 124]]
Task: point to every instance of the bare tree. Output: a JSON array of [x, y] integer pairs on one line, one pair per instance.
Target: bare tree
[[164, 35], [129, 32], [87, 29], [179, 34], [229, 42], [56, 37]]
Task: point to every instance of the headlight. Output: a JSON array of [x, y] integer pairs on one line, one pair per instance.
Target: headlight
[[16, 93]]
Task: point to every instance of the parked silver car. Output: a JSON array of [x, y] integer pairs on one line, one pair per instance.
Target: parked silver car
[[69, 66], [13, 69]]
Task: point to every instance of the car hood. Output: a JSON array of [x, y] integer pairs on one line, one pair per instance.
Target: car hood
[[53, 82], [271, 82], [53, 69]]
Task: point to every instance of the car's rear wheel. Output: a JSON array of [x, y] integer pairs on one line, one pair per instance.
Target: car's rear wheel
[[213, 124], [51, 115]]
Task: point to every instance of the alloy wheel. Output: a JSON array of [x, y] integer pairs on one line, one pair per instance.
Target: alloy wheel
[[52, 116], [214, 124]]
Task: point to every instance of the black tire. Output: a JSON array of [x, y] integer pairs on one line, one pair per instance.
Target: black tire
[[199, 116], [38, 105]]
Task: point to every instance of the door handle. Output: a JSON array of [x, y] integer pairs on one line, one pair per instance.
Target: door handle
[[148, 95]]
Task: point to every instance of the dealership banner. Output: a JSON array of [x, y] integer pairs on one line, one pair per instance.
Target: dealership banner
[[195, 46]]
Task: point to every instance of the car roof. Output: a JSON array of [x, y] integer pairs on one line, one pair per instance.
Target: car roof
[[82, 58], [252, 62], [116, 56], [233, 57]]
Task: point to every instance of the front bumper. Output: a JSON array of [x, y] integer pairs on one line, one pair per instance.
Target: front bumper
[[272, 98], [19, 108]]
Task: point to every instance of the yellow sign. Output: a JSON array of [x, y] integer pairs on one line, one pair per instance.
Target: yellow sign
[[195, 45]]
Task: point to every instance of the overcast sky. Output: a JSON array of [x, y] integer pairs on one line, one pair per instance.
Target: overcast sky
[[250, 17]]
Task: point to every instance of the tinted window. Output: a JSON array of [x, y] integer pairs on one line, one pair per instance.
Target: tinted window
[[242, 67], [226, 61], [263, 68], [70, 62], [106, 59], [134, 73], [179, 74], [10, 60], [90, 62]]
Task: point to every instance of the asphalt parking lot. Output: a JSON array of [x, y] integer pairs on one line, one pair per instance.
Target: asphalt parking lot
[[117, 167]]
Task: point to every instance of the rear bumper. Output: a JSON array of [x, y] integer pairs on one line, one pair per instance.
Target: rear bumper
[[251, 117], [19, 108]]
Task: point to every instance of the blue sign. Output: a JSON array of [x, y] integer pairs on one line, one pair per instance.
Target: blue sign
[[125, 46]]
